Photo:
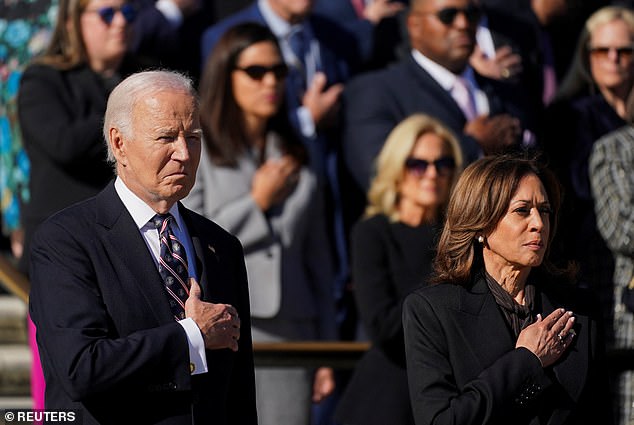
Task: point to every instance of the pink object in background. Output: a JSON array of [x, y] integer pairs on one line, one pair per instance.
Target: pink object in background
[[359, 6], [37, 376]]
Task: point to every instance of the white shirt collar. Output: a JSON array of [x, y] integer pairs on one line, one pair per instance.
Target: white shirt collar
[[442, 75], [484, 38], [277, 25], [140, 211]]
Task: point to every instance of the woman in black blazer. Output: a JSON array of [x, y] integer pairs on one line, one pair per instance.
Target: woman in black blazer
[[493, 341], [392, 249]]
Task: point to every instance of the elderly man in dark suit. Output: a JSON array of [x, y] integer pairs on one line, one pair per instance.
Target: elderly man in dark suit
[[141, 305], [435, 79]]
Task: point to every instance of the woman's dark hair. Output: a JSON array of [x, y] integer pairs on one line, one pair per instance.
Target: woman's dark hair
[[478, 202], [221, 118]]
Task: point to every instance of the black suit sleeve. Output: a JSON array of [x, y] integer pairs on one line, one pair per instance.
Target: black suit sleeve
[[368, 119]]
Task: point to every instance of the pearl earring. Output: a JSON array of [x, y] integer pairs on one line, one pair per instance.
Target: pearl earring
[[481, 239]]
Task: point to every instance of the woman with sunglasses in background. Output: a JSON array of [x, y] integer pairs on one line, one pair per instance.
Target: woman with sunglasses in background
[[61, 102], [391, 251], [254, 181], [590, 104]]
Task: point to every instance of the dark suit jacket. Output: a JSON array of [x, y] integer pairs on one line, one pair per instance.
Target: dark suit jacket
[[178, 47], [375, 102], [573, 127], [154, 36], [380, 44], [108, 343], [212, 34], [462, 365]]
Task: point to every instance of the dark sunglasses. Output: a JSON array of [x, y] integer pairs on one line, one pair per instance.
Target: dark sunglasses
[[444, 166], [603, 52], [448, 15], [107, 13], [257, 72]]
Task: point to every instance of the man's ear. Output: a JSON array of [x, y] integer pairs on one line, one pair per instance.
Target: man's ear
[[117, 145]]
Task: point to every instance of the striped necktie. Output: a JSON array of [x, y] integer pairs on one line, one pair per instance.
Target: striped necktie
[[172, 265]]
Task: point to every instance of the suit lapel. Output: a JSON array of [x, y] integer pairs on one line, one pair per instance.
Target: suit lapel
[[436, 92], [207, 258], [128, 245], [478, 310]]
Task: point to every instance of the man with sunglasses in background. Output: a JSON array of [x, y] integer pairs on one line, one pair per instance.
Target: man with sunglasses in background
[[436, 79]]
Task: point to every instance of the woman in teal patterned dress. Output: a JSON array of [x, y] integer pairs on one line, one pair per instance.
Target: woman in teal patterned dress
[[25, 28]]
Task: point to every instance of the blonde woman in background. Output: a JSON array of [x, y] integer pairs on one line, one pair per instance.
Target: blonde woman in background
[[392, 250]]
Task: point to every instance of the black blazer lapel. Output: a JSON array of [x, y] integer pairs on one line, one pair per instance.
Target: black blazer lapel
[[479, 312], [127, 243]]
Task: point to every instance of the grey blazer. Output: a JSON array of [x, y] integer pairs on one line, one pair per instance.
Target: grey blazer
[[289, 261]]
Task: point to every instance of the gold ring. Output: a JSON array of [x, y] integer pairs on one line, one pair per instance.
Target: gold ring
[[505, 73], [561, 339]]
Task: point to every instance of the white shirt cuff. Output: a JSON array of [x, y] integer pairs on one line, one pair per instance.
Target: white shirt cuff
[[171, 12], [306, 124], [197, 359]]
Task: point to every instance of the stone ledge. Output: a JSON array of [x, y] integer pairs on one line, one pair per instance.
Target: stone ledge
[[16, 403], [13, 314], [15, 370]]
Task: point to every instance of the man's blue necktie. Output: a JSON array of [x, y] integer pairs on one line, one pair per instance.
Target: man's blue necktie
[[299, 45]]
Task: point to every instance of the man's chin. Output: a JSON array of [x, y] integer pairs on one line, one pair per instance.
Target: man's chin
[[177, 190]]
